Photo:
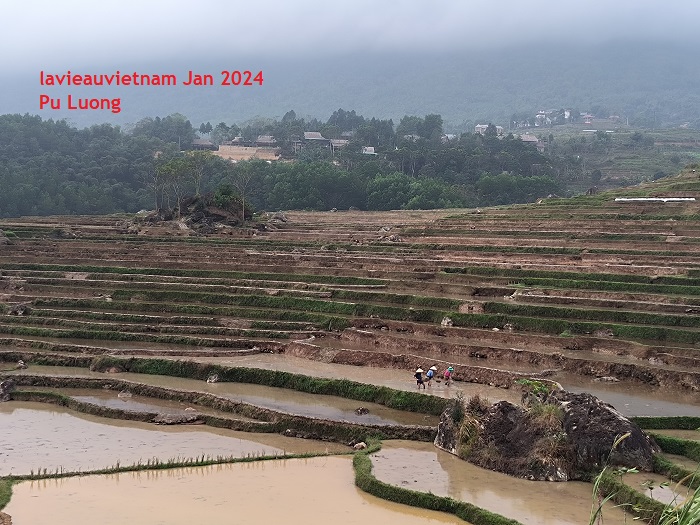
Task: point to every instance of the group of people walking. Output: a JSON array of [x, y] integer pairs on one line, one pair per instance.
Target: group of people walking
[[430, 375]]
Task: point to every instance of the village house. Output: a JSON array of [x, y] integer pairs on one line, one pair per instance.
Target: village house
[[203, 144], [315, 137], [481, 129]]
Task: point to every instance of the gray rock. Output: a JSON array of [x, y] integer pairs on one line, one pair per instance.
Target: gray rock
[[6, 388], [565, 437], [20, 309], [592, 426]]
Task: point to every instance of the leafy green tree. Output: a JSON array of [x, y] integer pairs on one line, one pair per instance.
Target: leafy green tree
[[388, 192], [346, 120], [431, 128], [174, 128]]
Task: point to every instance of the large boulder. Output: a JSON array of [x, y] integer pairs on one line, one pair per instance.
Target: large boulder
[[6, 388], [565, 436], [592, 426]]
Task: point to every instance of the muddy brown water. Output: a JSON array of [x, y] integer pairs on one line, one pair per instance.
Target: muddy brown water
[[636, 399], [394, 378], [686, 463], [663, 489], [693, 435], [314, 491], [280, 399], [135, 403], [51, 437], [631, 399], [422, 467], [47, 437]]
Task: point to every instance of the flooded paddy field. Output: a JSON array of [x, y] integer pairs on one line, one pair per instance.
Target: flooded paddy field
[[313, 491], [278, 399], [686, 463], [634, 399], [123, 400], [422, 467], [631, 399], [53, 438], [692, 435]]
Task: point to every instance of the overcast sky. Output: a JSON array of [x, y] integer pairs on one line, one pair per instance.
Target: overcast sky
[[65, 34]]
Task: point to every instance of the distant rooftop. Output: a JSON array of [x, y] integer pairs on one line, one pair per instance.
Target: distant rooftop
[[265, 139], [313, 135]]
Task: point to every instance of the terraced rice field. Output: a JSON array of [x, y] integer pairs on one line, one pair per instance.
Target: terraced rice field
[[584, 286], [595, 294]]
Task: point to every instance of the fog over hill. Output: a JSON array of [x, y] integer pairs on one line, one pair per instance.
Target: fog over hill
[[469, 61], [647, 82]]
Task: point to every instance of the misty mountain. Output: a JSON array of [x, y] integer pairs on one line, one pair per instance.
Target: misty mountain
[[651, 84]]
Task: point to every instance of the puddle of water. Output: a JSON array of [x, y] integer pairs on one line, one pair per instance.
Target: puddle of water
[[422, 467], [310, 491], [48, 437]]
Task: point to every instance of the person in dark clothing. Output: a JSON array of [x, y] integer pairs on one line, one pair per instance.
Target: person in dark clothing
[[419, 378]]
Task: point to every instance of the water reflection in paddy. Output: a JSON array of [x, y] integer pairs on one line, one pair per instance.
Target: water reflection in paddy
[[135, 403], [635, 399], [44, 436], [663, 490], [314, 491], [281, 399], [632, 399], [393, 378], [422, 467]]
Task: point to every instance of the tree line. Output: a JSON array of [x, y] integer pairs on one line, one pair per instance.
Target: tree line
[[48, 167]]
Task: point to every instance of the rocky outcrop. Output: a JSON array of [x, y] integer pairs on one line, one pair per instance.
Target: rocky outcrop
[[20, 309], [567, 436], [592, 426], [448, 430], [6, 388]]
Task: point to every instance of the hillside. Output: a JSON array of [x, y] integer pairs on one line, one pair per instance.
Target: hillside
[[579, 290]]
